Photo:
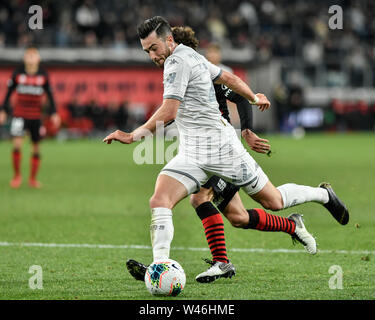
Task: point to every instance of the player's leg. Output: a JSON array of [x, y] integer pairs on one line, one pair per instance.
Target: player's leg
[[291, 194], [16, 161], [34, 128], [257, 219], [17, 132], [288, 195], [212, 221], [214, 231], [247, 174], [213, 225], [175, 181], [168, 192], [34, 165]]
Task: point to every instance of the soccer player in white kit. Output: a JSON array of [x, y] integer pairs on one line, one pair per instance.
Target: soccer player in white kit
[[208, 143]]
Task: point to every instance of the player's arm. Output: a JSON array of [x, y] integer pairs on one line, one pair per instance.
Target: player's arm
[[166, 113], [176, 77], [5, 108], [237, 85], [52, 106], [245, 113]]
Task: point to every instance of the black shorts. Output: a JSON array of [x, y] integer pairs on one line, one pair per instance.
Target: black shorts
[[19, 126], [223, 191]]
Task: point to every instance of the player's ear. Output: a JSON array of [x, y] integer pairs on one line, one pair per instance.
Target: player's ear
[[169, 38]]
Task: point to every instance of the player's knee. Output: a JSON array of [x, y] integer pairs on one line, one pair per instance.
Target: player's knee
[[273, 205], [197, 199], [160, 201], [236, 220]]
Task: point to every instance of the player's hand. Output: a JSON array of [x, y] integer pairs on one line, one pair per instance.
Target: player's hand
[[262, 103], [120, 136], [254, 142], [56, 120], [3, 117]]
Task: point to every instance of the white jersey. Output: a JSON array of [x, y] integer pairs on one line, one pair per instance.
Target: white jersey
[[208, 143], [188, 77]]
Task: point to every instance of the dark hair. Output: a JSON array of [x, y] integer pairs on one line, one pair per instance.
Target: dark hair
[[186, 36], [157, 24]]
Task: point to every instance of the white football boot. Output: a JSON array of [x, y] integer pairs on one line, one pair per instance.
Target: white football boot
[[217, 270], [302, 235]]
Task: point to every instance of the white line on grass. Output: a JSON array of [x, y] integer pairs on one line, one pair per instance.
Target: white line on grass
[[140, 247]]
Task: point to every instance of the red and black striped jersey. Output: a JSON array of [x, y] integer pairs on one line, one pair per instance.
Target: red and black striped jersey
[[30, 90]]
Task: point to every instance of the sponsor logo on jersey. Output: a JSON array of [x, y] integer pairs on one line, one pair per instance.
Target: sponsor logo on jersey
[[173, 61], [33, 90], [226, 90]]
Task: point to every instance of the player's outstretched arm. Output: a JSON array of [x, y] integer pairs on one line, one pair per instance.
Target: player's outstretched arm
[[166, 113], [254, 142], [237, 85], [245, 113]]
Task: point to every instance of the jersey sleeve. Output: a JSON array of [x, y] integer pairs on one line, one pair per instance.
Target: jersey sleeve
[[244, 108], [215, 71], [245, 112], [176, 78]]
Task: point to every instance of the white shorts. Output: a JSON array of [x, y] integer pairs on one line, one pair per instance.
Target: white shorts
[[230, 161]]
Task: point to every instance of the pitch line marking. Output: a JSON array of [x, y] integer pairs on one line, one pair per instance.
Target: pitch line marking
[[143, 247]]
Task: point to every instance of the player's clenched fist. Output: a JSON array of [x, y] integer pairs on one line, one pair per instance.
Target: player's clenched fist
[[262, 102], [120, 136]]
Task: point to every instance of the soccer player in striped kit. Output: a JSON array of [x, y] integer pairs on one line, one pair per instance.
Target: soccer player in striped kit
[[30, 83]]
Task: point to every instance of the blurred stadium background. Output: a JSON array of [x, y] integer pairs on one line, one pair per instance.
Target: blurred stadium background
[[316, 78]]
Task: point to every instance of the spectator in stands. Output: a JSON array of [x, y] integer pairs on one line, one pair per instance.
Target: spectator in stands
[[87, 16]]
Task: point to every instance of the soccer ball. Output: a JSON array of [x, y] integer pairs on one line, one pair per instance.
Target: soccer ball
[[165, 278]]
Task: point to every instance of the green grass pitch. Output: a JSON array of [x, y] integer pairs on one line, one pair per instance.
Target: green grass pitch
[[95, 194]]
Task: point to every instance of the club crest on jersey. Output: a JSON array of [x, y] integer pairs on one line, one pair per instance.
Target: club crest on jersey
[[22, 78], [171, 77]]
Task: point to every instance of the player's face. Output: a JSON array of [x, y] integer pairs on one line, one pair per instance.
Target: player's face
[[31, 57], [157, 48]]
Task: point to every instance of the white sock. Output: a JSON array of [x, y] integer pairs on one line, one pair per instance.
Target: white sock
[[294, 194], [161, 231]]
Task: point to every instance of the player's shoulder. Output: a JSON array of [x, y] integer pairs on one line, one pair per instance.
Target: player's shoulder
[[182, 54], [173, 61]]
